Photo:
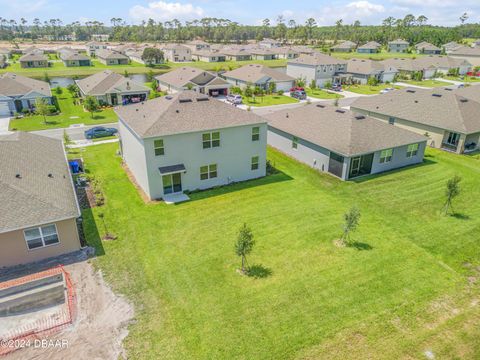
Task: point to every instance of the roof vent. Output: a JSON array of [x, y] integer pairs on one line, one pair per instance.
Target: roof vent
[[50, 175], [359, 117], [416, 101], [340, 111], [203, 99], [411, 91], [18, 176], [185, 100], [320, 106], [286, 115], [136, 109], [437, 95], [464, 100], [168, 97], [177, 111], [448, 89]]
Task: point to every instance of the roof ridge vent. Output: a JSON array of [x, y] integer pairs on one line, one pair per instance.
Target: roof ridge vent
[[411, 91], [359, 117], [320, 106], [437, 95], [463, 100], [168, 97], [184, 100], [341, 111]]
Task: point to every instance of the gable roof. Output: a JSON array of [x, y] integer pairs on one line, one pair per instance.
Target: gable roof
[[422, 46], [207, 53], [34, 198], [368, 67], [16, 85], [370, 45], [108, 54], [398, 42], [440, 108], [33, 57], [175, 47], [407, 64], [466, 51], [441, 61], [345, 45], [316, 59], [106, 82], [341, 131], [255, 72], [184, 112], [72, 55], [180, 77]]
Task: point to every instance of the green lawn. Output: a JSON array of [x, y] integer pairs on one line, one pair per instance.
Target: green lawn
[[377, 56], [269, 100], [427, 83], [465, 79], [70, 114], [322, 94], [367, 89], [401, 290]]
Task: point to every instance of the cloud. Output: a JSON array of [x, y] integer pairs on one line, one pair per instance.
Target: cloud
[[163, 11], [25, 7], [364, 8]]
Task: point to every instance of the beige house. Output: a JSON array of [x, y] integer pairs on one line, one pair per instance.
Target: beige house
[[259, 75], [346, 46], [33, 60], [37, 200], [472, 55], [208, 56], [108, 57], [236, 54], [449, 118], [196, 45], [427, 48], [177, 53], [263, 54], [92, 47], [74, 58]]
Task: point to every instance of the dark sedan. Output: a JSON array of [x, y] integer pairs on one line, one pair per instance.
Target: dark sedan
[[99, 132]]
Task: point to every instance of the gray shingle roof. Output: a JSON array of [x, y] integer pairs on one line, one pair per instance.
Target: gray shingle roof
[[107, 54], [255, 72], [426, 46], [316, 59], [440, 108], [368, 67], [106, 82], [345, 45], [398, 42], [340, 130], [180, 77], [370, 45], [34, 197], [183, 112], [466, 51], [72, 55], [33, 57], [17, 85]]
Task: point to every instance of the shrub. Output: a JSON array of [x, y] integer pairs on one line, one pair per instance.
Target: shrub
[[280, 92], [51, 109]]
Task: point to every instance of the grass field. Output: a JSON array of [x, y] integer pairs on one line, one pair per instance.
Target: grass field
[[269, 100], [427, 83], [377, 56], [322, 94], [367, 89], [409, 285], [465, 79], [70, 113]]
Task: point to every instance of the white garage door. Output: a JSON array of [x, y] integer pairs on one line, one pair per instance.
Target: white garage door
[[4, 109]]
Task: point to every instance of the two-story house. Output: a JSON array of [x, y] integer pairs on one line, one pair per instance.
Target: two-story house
[[93, 47], [318, 67], [177, 53], [398, 46], [189, 141]]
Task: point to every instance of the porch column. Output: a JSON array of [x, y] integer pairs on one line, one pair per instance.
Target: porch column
[[461, 144]]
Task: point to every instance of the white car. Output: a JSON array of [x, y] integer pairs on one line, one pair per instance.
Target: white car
[[234, 99], [386, 90]]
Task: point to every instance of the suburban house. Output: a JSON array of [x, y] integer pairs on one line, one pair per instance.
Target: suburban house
[[74, 58], [269, 43], [19, 92], [236, 54], [108, 57], [370, 47], [345, 46], [408, 67], [196, 45], [472, 55], [124, 48], [32, 50], [342, 143], [177, 53], [318, 67], [451, 46], [112, 88], [92, 47], [137, 54], [188, 142], [37, 200], [259, 75], [427, 48], [360, 70], [33, 60], [398, 46], [444, 64], [187, 77], [263, 54], [449, 118], [208, 56], [302, 49], [286, 53], [100, 37], [4, 52]]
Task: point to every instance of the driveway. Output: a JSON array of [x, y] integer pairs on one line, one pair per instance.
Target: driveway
[[75, 133], [4, 124]]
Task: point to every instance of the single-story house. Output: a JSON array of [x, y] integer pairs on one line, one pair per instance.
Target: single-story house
[[398, 46], [361, 70], [189, 141], [32, 50], [259, 75], [370, 47], [208, 56], [449, 118], [33, 60], [342, 143], [92, 47], [124, 48], [345, 46], [236, 54], [262, 54], [451, 46], [302, 49], [37, 200], [286, 53], [6, 53], [196, 45], [112, 88], [427, 48], [19, 92], [177, 53], [409, 66], [108, 57], [74, 58], [445, 63], [269, 43], [472, 55], [188, 77], [316, 67]]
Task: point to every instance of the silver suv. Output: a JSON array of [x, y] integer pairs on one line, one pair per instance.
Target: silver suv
[[234, 99]]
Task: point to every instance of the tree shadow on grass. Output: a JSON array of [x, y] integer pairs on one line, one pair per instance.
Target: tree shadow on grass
[[460, 216], [258, 271], [361, 246]]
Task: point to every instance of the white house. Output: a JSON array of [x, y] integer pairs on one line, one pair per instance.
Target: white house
[[259, 75], [93, 47], [188, 142]]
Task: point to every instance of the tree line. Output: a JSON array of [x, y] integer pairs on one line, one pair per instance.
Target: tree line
[[411, 28]]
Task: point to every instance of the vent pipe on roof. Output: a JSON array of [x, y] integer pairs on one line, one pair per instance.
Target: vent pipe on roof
[[18, 176]]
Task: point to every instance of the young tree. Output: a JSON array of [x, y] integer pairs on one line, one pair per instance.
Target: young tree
[[372, 81], [154, 84], [352, 218], [46, 78], [42, 108], [91, 104], [272, 87], [313, 84], [248, 91], [451, 192], [300, 82], [73, 90], [66, 139], [58, 90], [244, 244]]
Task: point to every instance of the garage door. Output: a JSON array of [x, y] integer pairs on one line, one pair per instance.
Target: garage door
[[4, 109]]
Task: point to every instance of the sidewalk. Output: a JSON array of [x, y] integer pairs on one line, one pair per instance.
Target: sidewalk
[[4, 122], [85, 143]]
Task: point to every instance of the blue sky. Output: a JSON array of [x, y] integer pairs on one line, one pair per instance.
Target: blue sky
[[325, 12]]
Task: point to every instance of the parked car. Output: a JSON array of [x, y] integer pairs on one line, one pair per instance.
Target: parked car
[[337, 87], [298, 94], [99, 132], [386, 90], [234, 99]]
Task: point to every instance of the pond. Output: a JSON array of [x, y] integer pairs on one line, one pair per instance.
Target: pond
[[65, 81]]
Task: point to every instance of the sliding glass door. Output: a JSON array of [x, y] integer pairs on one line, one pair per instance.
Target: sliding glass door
[[172, 183]]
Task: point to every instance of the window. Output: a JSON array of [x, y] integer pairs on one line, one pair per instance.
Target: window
[[41, 236], [412, 150], [256, 133], [158, 147], [386, 156], [294, 142], [211, 140], [208, 172], [391, 120], [254, 162]]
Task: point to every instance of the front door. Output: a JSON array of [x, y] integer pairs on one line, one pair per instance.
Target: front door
[[172, 183], [355, 167]]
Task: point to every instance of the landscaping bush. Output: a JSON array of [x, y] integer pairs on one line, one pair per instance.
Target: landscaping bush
[[280, 92], [52, 109], [236, 90]]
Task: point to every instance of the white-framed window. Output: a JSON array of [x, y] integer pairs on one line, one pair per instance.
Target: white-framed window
[[412, 150], [211, 140], [208, 172], [158, 147], [294, 142], [254, 163], [41, 236], [255, 133], [386, 156]]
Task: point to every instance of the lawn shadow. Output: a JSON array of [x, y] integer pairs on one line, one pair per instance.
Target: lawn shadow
[[361, 246], [90, 230], [259, 271], [461, 216]]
